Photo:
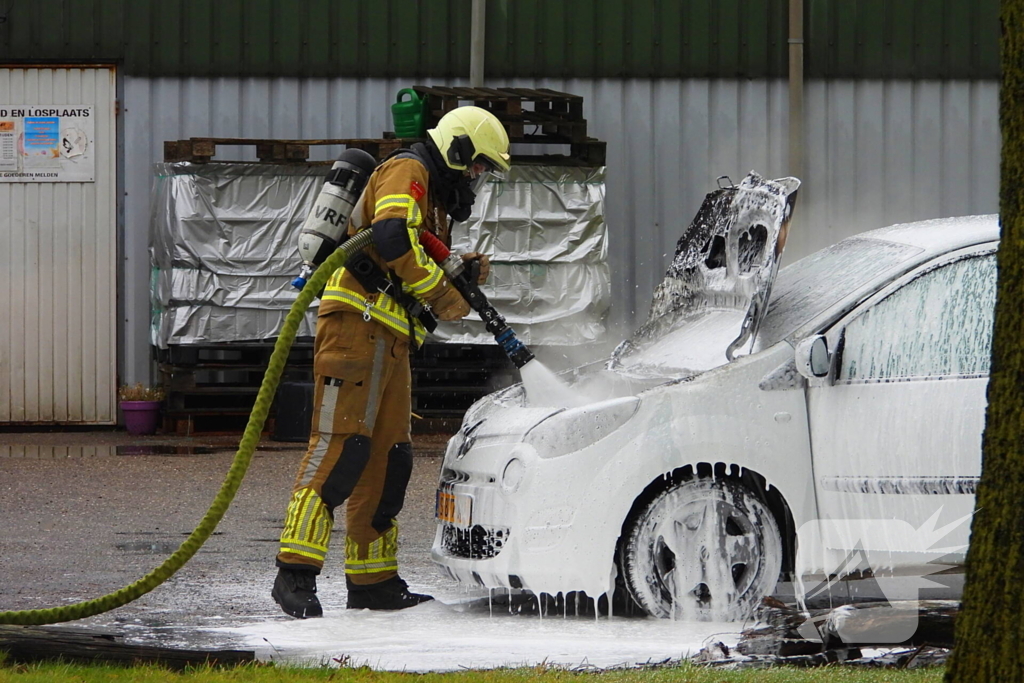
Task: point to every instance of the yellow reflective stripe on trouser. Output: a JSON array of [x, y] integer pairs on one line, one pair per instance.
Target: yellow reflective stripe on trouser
[[380, 555], [385, 310], [307, 526]]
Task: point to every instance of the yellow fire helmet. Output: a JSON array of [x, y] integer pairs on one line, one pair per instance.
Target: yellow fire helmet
[[467, 135]]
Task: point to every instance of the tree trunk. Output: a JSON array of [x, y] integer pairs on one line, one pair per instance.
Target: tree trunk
[[990, 628]]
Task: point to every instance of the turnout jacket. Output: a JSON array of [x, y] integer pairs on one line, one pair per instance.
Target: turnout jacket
[[395, 205]]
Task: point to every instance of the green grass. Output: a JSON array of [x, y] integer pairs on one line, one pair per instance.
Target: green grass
[[685, 673]]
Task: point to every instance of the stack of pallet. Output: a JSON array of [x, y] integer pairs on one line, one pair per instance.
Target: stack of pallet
[[224, 251], [530, 115], [212, 387], [203, 150], [448, 378]]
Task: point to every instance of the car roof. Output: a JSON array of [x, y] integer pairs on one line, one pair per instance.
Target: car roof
[[803, 306], [940, 235]]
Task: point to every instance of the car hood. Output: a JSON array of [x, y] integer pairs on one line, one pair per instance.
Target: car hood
[[706, 311], [715, 294]]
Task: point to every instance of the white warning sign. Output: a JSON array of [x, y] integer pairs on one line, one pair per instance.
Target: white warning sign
[[50, 143]]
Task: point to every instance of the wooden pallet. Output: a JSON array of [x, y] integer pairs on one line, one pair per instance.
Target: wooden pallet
[[530, 115], [203, 150], [212, 388], [555, 117], [448, 378], [589, 152]]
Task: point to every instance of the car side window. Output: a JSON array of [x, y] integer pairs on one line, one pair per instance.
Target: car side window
[[937, 325]]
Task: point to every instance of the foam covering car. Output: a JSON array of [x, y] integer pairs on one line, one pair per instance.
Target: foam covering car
[[752, 432]]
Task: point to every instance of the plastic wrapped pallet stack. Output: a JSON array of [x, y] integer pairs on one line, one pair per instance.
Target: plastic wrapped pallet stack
[[223, 252]]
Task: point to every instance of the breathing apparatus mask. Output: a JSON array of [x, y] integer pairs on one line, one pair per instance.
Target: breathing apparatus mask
[[482, 170], [478, 166], [458, 197]]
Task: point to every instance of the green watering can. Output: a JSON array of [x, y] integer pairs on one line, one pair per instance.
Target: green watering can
[[410, 115]]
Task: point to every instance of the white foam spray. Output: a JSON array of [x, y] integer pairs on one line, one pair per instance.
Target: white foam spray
[[544, 388]]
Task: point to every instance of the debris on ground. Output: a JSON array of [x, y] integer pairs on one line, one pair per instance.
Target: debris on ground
[[856, 635]]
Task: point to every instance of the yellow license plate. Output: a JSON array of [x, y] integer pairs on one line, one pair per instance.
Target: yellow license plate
[[454, 508]]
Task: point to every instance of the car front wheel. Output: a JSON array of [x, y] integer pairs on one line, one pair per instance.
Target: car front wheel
[[703, 550]]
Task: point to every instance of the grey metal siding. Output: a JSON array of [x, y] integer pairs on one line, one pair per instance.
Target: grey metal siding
[[879, 152], [882, 152]]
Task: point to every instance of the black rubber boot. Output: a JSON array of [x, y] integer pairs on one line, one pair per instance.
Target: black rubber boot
[[388, 595], [295, 591]]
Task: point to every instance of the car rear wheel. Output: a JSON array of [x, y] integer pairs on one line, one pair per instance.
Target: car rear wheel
[[703, 550]]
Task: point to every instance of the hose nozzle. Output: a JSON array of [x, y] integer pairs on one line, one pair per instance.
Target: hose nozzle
[[464, 276]]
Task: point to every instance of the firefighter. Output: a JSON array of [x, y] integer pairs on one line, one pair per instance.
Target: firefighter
[[371, 312]]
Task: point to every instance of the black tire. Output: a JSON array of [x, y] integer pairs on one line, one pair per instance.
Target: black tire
[[731, 543]]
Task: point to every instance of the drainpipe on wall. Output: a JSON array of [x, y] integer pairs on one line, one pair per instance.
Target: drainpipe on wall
[[796, 88], [476, 44]]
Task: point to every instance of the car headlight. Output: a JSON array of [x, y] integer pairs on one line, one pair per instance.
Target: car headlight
[[573, 429]]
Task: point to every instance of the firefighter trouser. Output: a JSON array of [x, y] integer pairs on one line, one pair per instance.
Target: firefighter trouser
[[359, 450]]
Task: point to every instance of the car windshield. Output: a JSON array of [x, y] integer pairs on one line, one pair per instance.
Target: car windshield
[[801, 292], [809, 287]]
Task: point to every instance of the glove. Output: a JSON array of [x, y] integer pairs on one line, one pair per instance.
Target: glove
[[450, 306], [485, 265]]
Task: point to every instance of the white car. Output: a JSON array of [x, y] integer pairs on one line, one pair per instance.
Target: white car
[[846, 420]]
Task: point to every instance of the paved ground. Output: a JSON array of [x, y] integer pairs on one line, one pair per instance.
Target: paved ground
[[85, 513]]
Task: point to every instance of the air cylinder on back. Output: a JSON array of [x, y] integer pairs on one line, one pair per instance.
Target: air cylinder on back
[[324, 228]]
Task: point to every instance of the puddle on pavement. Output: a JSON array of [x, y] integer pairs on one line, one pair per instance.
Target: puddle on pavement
[[459, 629], [155, 546], [148, 546]]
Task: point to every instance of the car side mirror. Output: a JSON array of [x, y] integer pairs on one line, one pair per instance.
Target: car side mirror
[[812, 357]]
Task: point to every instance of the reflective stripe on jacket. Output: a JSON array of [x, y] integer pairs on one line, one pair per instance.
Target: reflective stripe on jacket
[[394, 205], [379, 306]]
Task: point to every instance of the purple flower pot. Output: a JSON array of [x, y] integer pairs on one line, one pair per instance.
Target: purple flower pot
[[141, 417]]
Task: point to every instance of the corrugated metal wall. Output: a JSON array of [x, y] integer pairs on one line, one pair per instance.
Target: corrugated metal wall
[[525, 38], [642, 38], [947, 39], [878, 152], [886, 152], [58, 269]]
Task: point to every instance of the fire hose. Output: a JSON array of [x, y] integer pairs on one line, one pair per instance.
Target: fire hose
[[246, 448], [323, 248]]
